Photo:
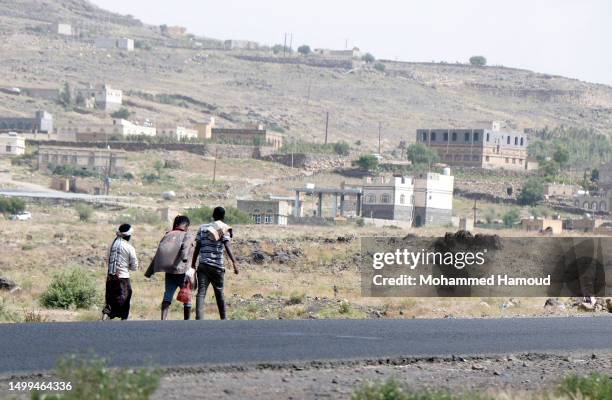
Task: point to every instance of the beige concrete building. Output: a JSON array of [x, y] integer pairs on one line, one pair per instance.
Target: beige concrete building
[[178, 133], [101, 96], [543, 225], [62, 29], [258, 136], [115, 43], [94, 160], [116, 128], [478, 147], [11, 144], [267, 212], [205, 129]]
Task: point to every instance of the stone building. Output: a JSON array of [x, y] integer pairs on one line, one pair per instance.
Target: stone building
[[11, 144], [426, 199], [89, 159], [42, 93], [117, 128], [267, 212], [42, 122], [560, 190], [542, 225], [232, 44], [205, 129], [478, 147], [101, 96], [178, 133], [252, 137], [595, 201]]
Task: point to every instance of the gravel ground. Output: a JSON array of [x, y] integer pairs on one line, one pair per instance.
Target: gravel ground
[[337, 380]]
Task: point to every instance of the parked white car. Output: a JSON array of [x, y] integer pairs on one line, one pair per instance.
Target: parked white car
[[22, 216]]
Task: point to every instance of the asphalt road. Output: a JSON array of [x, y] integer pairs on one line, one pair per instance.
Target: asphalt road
[[27, 348]]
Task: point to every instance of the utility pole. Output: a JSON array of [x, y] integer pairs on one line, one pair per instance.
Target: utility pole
[[215, 166], [291, 42], [345, 44], [285, 46], [475, 209], [326, 126], [379, 136]]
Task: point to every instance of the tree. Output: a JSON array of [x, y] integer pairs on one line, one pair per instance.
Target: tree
[[478, 61], [421, 154], [367, 162], [561, 156], [342, 148], [304, 49], [510, 218], [368, 58], [532, 192], [65, 97], [279, 48]]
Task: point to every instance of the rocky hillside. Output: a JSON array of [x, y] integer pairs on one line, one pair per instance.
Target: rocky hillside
[[172, 81]]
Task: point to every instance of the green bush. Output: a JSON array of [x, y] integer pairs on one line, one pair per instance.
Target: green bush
[[511, 218], [342, 148], [122, 113], [368, 58], [85, 211], [92, 379], [421, 154], [304, 50], [70, 288], [532, 192], [11, 205], [69, 170], [391, 389], [367, 162], [233, 216], [593, 387], [478, 61], [380, 67]]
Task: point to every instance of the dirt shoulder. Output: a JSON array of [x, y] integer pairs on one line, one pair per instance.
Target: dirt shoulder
[[528, 372]]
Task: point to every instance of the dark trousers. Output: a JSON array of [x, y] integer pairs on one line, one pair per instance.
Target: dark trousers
[[208, 274], [118, 297]]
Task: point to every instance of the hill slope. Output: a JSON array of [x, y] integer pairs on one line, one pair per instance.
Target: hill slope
[[289, 98]]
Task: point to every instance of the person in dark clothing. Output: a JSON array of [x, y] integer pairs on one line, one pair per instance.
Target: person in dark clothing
[[121, 260], [211, 242]]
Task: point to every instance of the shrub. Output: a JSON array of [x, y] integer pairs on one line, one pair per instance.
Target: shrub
[[92, 379], [69, 170], [594, 387], [391, 389], [122, 113], [511, 218], [233, 216], [150, 177], [478, 61], [70, 288], [342, 148], [360, 222], [380, 67], [345, 307], [85, 211], [367, 162], [296, 298], [11, 205], [129, 176]]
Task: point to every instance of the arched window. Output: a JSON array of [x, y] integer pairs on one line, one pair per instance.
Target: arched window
[[508, 140], [488, 136], [586, 205], [602, 206], [522, 141], [402, 199], [594, 206], [516, 141]]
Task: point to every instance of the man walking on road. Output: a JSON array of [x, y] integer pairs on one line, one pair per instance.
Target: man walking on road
[[121, 260], [211, 241], [173, 257]]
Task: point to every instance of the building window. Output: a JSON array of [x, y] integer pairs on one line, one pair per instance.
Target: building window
[[514, 161], [385, 199], [508, 140], [488, 158], [488, 136], [466, 157], [594, 206], [475, 158], [402, 199], [433, 136], [424, 136], [371, 199], [521, 161], [457, 157], [602, 206], [475, 136], [516, 141], [522, 141], [586, 205], [446, 136], [507, 160], [8, 148], [258, 219], [467, 136], [454, 136]]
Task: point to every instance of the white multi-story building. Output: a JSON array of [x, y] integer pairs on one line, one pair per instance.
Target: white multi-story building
[[178, 133], [101, 96], [423, 200], [11, 144], [105, 131]]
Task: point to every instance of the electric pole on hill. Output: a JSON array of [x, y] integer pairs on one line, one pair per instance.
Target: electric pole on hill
[[326, 126], [285, 46], [379, 134], [215, 166]]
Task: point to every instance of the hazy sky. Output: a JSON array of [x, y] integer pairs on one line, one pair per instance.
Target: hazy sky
[[566, 37]]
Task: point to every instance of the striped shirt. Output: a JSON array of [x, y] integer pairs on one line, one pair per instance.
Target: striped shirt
[[122, 258], [211, 251]]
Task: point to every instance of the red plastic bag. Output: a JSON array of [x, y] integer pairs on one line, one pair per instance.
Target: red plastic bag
[[184, 295]]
